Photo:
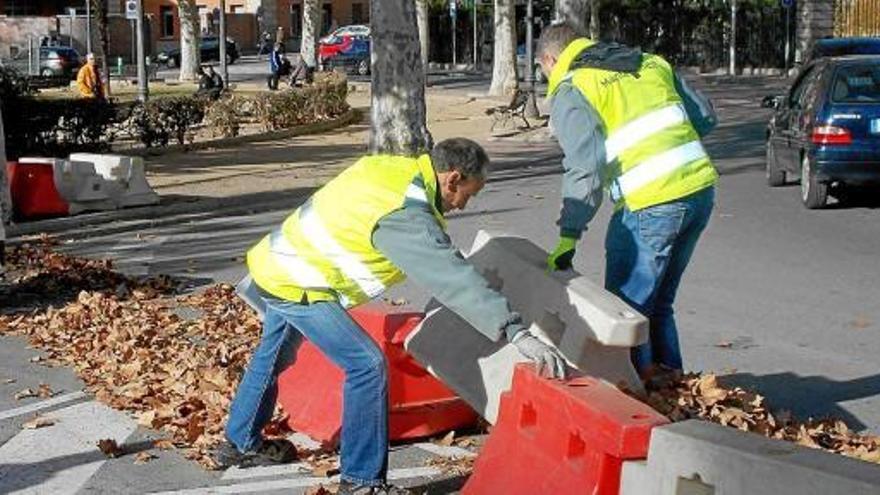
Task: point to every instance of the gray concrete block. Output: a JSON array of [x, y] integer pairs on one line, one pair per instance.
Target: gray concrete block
[[78, 183], [592, 328], [696, 458], [125, 175]]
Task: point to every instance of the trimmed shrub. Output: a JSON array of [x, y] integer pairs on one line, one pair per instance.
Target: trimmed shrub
[[224, 116], [161, 119]]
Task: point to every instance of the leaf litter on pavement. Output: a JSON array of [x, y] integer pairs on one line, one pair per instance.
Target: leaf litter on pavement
[[122, 337]]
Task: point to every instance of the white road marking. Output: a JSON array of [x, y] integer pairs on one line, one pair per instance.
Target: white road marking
[[443, 451], [237, 473], [44, 404], [304, 482], [61, 458]]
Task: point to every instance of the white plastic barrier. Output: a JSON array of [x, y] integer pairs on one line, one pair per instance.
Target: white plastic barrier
[[79, 184], [701, 458], [125, 174], [591, 327]]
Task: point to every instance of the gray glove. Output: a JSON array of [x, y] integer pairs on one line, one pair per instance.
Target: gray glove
[[546, 358]]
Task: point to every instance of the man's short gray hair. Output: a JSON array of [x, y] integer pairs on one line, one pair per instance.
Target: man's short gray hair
[[461, 154], [554, 39]]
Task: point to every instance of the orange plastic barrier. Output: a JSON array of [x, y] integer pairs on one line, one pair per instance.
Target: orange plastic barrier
[[561, 437], [311, 390]]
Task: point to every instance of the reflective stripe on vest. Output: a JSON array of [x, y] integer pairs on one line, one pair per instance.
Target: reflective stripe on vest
[[304, 274], [347, 263], [643, 127], [659, 166]]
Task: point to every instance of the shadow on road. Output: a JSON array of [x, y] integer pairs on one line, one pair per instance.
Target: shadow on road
[[810, 396], [14, 477]]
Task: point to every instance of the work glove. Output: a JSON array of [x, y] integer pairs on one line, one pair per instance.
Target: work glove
[[562, 256], [546, 358]]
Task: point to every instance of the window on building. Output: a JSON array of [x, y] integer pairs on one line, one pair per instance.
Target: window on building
[[237, 9], [357, 13], [295, 21], [327, 19], [166, 16], [19, 7]]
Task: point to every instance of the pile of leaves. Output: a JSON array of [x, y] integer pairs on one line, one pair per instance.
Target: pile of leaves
[[124, 339], [696, 396]]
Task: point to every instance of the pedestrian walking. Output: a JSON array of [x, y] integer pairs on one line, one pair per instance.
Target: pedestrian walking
[[626, 121], [379, 221], [278, 66]]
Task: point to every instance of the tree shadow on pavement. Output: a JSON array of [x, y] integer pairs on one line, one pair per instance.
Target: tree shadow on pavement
[[810, 396], [24, 476], [440, 487]]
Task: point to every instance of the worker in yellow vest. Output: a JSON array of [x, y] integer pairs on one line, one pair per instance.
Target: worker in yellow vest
[[379, 220], [627, 123]]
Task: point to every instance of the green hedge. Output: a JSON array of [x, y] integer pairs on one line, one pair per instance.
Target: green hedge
[[60, 127]]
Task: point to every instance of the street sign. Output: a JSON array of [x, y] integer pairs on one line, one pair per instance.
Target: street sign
[[453, 9], [131, 9], [786, 3]]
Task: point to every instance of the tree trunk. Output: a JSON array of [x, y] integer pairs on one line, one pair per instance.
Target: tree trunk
[[311, 24], [99, 11], [504, 81], [573, 13], [189, 40], [398, 107], [595, 31], [422, 18], [5, 198]]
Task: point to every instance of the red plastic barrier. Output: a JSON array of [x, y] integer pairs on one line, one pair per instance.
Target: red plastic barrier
[[32, 187], [311, 390], [561, 437]]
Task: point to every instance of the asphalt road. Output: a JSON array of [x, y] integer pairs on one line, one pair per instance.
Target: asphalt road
[[778, 298]]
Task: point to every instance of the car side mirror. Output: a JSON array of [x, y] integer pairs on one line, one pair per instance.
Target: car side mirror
[[771, 101]]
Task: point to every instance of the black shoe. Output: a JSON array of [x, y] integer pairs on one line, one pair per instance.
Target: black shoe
[[349, 488], [269, 452]]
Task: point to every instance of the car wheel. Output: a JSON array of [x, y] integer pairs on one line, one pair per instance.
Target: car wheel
[[775, 177], [229, 59], [363, 67], [47, 73], [539, 75], [814, 194]]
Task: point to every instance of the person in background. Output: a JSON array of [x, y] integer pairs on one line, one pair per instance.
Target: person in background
[[278, 66], [88, 80], [210, 83]]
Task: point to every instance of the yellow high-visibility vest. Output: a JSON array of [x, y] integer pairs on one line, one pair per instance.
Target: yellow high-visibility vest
[[325, 248], [654, 152]]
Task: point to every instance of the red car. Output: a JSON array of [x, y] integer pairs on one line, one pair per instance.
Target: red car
[[333, 46]]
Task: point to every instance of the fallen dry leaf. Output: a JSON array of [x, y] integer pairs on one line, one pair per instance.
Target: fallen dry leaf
[[38, 422], [447, 440], [323, 490], [109, 447], [454, 466], [724, 344], [144, 457], [45, 391], [9, 381], [25, 394], [163, 443]]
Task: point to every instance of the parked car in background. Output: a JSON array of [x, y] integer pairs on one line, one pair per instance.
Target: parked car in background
[[522, 64], [56, 62], [355, 57], [352, 30], [836, 47], [209, 47], [826, 129]]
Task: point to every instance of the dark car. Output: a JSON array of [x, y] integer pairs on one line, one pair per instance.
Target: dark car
[[209, 48], [355, 56], [836, 47], [826, 130], [56, 62]]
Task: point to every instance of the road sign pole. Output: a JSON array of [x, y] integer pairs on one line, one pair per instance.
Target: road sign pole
[[88, 26], [224, 66], [454, 14], [787, 36], [732, 67], [474, 6], [531, 109], [143, 88]]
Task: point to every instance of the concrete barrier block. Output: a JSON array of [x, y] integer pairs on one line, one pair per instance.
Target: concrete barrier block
[[126, 174], [701, 458], [592, 328]]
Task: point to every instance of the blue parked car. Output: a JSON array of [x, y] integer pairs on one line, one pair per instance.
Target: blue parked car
[[826, 130], [836, 47]]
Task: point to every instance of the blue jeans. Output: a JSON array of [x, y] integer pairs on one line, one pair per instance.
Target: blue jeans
[[329, 327], [646, 253]]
